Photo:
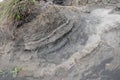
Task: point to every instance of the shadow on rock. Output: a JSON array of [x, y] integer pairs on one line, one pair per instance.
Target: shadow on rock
[[100, 72]]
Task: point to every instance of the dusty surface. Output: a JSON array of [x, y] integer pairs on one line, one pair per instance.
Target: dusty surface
[[65, 43]]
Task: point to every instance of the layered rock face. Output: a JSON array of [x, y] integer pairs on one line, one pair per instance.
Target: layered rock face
[[65, 43]]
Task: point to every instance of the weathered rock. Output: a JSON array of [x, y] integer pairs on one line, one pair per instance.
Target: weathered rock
[[66, 43], [91, 2]]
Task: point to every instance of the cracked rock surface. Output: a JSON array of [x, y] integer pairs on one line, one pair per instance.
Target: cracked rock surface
[[65, 43]]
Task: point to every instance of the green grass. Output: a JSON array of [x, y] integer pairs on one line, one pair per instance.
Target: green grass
[[1, 72], [16, 10], [15, 71]]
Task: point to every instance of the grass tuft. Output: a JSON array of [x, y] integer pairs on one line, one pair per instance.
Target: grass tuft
[[16, 10]]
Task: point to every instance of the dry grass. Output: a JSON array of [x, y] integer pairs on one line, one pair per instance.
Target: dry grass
[[13, 14], [16, 10]]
